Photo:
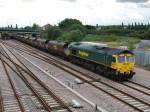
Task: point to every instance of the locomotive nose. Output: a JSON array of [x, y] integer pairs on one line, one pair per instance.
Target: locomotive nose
[[125, 68]]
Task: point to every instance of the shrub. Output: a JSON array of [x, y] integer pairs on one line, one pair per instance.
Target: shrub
[[72, 36], [78, 27], [67, 23], [53, 33]]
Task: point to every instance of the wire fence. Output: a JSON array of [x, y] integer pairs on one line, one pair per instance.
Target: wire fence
[[142, 57]]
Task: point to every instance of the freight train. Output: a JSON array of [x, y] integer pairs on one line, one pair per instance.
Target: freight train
[[114, 63]]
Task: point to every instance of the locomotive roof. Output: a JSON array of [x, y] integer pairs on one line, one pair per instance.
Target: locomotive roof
[[93, 43], [58, 43], [98, 48], [41, 40], [32, 38]]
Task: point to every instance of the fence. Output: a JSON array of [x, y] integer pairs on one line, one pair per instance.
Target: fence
[[142, 57]]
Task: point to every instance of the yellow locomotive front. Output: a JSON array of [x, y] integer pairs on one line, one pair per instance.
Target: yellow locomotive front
[[124, 64]]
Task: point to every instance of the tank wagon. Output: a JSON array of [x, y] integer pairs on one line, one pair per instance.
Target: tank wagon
[[40, 43], [115, 63], [58, 48]]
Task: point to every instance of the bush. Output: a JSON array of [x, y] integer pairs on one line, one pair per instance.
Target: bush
[[72, 36], [67, 23], [28, 27], [53, 33], [35, 26], [78, 27], [146, 35], [102, 38]]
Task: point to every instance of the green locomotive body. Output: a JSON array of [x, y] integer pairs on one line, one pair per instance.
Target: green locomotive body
[[103, 59], [111, 62], [91, 53]]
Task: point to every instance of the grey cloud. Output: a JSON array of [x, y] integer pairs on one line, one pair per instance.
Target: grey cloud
[[69, 0], [132, 1], [144, 5]]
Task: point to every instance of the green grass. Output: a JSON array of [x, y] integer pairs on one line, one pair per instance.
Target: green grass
[[148, 46], [112, 40]]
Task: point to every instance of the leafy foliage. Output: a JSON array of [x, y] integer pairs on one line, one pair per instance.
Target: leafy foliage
[[28, 27], [72, 30], [146, 34], [67, 23], [113, 40], [78, 27], [72, 36], [35, 26], [53, 33]]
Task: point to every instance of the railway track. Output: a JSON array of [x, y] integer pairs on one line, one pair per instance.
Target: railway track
[[9, 98], [1, 101], [132, 101], [138, 87], [49, 101]]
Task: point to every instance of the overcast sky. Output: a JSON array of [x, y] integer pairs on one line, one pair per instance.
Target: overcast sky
[[102, 12]]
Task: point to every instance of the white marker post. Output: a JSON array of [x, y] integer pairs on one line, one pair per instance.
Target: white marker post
[[76, 93]]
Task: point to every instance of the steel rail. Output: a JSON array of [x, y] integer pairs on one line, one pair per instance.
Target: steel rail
[[13, 87], [42, 84], [98, 87], [50, 62], [134, 88], [45, 105], [56, 64], [51, 93], [95, 85], [1, 102], [139, 85]]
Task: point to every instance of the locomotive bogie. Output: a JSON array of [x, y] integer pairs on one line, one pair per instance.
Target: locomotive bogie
[[111, 62]]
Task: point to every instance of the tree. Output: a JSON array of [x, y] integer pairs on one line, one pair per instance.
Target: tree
[[67, 23], [16, 26], [53, 33], [90, 27], [28, 27], [135, 24], [132, 26], [122, 25], [148, 25], [35, 26], [72, 36], [129, 26], [97, 25], [142, 26], [78, 27], [147, 34]]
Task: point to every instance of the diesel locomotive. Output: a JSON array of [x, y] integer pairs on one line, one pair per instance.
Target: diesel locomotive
[[114, 63]]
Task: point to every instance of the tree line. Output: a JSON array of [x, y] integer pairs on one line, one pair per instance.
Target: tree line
[[73, 30]]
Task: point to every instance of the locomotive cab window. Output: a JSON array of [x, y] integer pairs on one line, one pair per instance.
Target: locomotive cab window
[[113, 59], [121, 59]]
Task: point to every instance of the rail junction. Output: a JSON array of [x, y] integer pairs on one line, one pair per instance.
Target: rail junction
[[45, 98]]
